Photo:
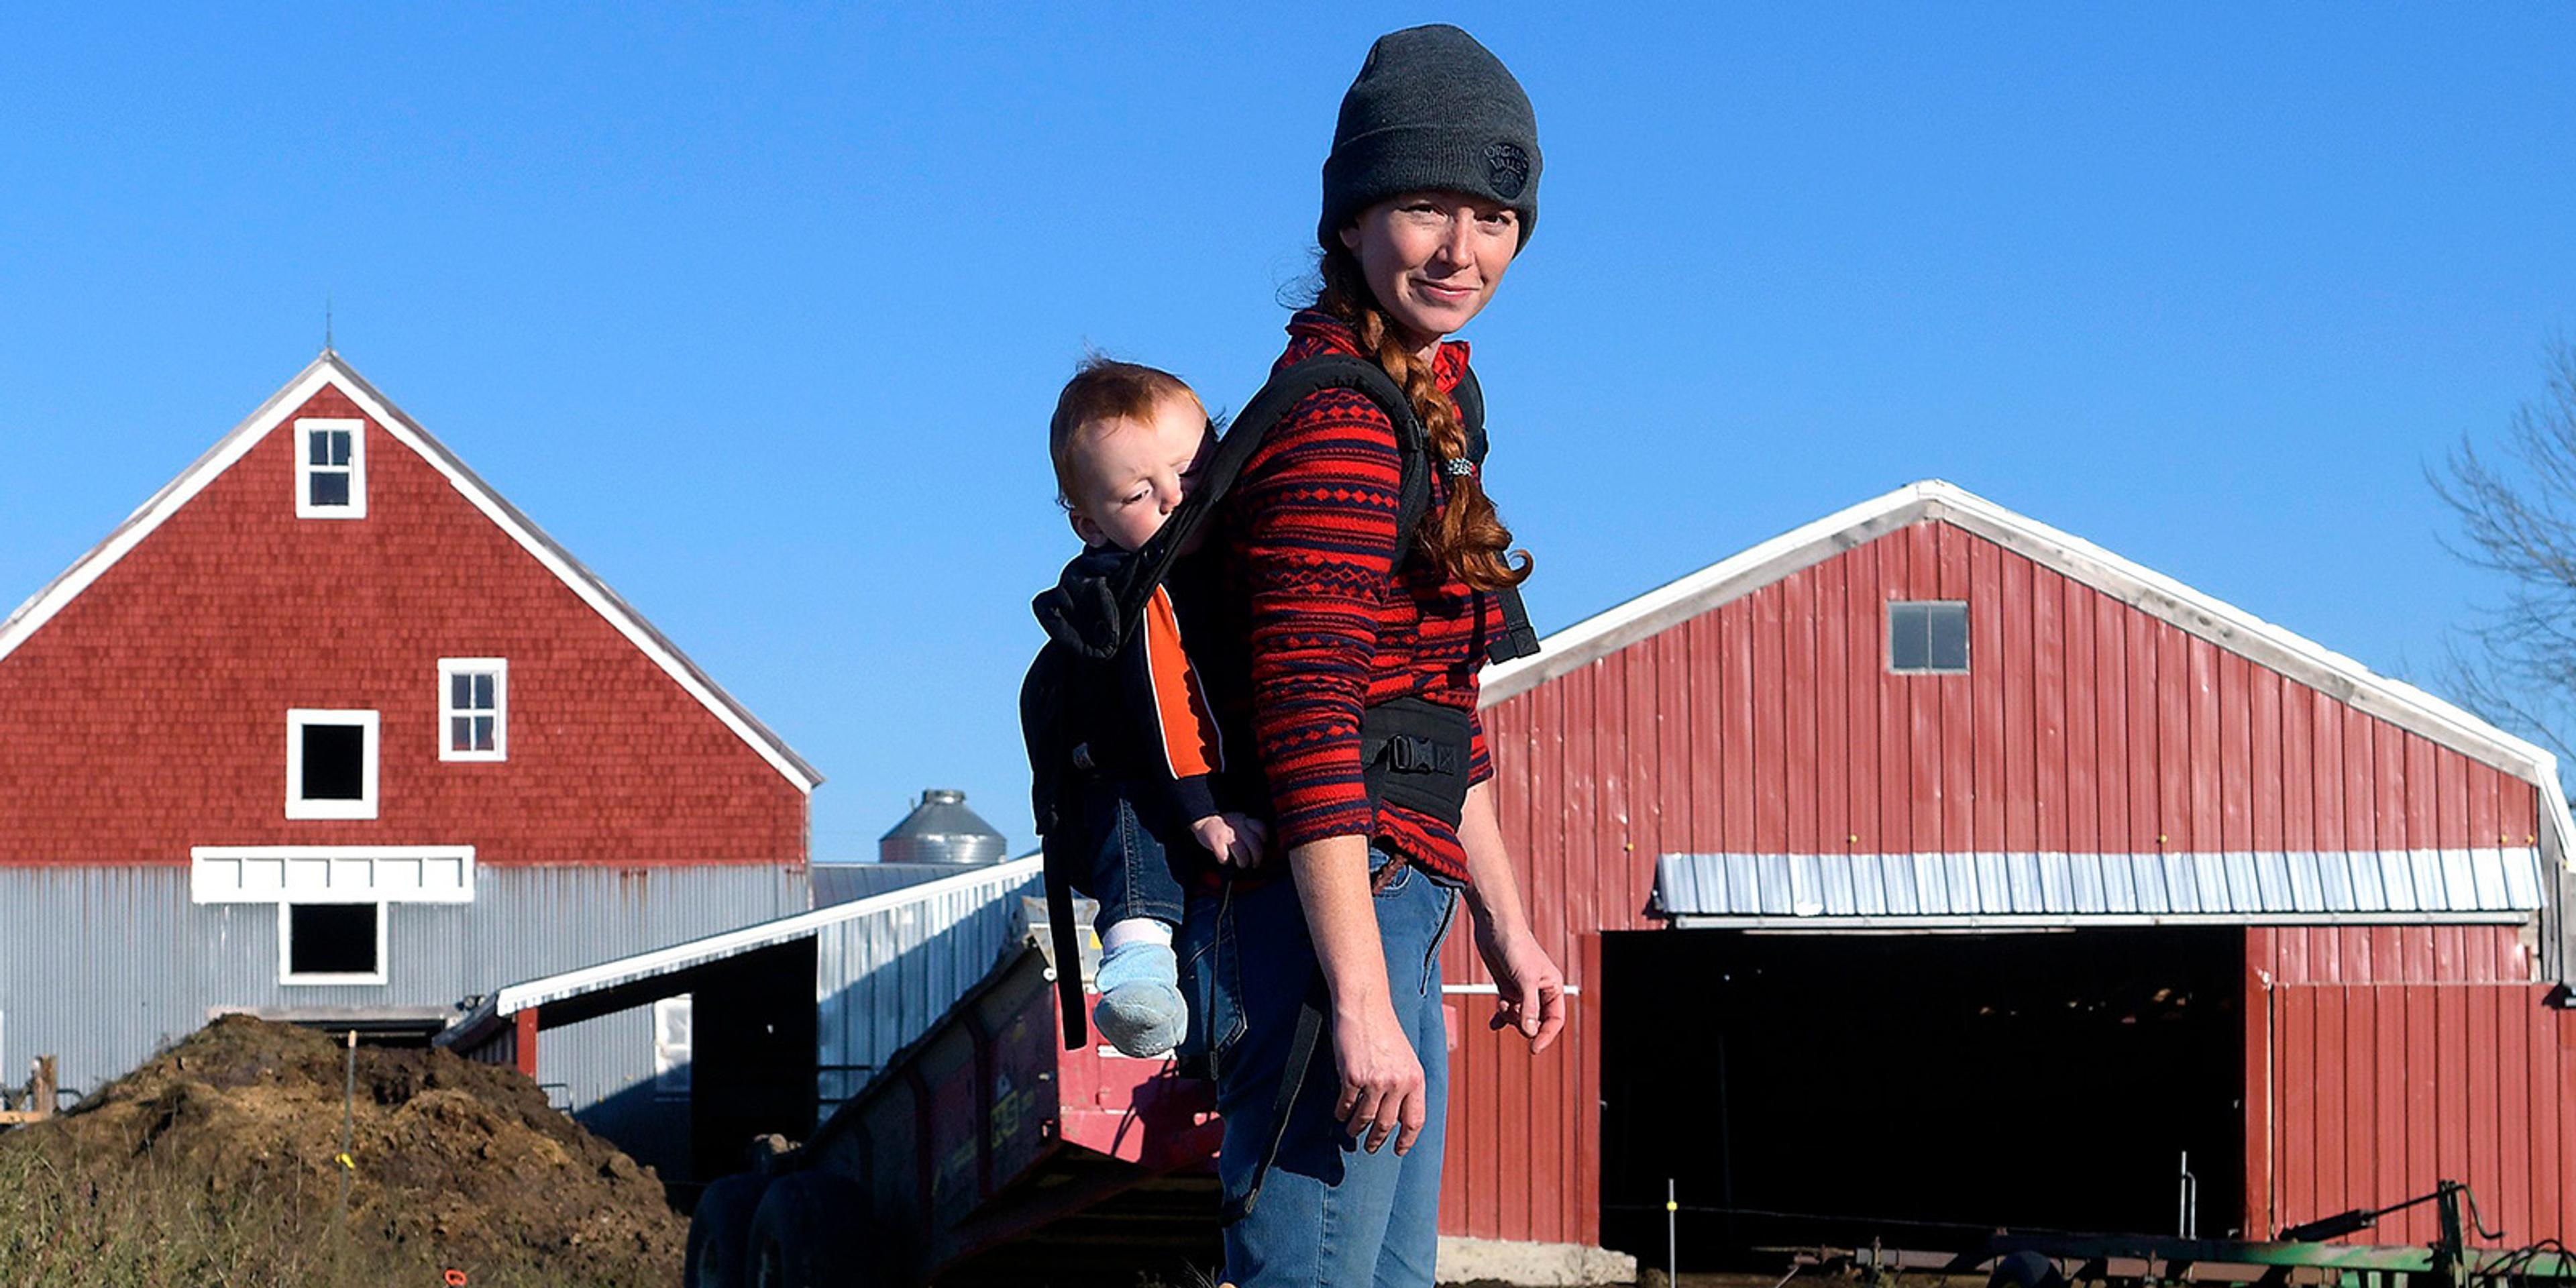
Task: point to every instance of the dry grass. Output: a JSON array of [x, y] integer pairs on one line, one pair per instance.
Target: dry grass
[[133, 1223]]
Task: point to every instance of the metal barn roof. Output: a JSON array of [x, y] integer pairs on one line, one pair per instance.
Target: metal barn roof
[[2020, 890], [974, 887]]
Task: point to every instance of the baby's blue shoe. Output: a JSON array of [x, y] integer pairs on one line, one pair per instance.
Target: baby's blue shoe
[[1140, 1011]]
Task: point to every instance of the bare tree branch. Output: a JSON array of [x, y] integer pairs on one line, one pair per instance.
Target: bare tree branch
[[2516, 664]]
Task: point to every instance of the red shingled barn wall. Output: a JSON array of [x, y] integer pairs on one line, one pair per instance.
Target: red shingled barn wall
[[1770, 724], [149, 716]]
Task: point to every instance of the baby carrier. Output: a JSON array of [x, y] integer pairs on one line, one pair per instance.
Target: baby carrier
[[1415, 752]]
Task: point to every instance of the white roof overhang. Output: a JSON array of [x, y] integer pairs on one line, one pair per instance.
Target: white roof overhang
[[1000, 878], [681, 957]]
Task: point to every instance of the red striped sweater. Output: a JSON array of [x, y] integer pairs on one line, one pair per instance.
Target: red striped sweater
[[1310, 542]]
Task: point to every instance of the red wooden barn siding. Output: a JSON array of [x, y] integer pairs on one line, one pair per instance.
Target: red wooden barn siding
[[2382, 1059], [149, 716], [1770, 725]]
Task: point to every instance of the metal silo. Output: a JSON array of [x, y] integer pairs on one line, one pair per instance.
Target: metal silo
[[941, 830]]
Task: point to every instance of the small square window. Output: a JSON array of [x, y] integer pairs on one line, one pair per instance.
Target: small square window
[[1927, 637], [473, 708], [331, 469], [330, 764], [331, 943]]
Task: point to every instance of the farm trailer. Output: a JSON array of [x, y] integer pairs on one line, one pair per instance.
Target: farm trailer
[[983, 1153], [2301, 1255]]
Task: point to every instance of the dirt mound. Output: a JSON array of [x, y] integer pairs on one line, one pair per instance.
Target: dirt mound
[[227, 1146]]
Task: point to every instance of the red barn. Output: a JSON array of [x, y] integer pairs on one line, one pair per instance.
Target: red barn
[[1930, 863], [329, 729]]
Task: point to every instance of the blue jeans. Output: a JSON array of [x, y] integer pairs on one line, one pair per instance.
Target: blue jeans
[[1131, 867], [1330, 1215]]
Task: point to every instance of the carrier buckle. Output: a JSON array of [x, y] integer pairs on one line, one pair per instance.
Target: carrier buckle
[[1406, 754]]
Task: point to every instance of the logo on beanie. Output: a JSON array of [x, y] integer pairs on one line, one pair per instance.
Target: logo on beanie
[[1506, 170]]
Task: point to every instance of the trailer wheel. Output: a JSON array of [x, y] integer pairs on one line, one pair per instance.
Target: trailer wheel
[[809, 1232], [720, 1231]]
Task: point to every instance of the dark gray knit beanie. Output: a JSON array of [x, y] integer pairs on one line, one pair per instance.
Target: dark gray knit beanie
[[1432, 109]]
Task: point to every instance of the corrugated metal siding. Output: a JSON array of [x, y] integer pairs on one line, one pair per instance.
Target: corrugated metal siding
[[836, 883], [2003, 888], [102, 966], [2384, 1059], [1770, 726], [884, 979]]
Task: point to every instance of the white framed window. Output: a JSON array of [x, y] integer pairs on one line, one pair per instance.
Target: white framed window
[[473, 708], [672, 1017], [330, 764], [330, 468], [1927, 637], [331, 943]]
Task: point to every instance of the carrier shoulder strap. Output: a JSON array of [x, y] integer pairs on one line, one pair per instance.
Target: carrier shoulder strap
[[1470, 397], [1304, 1042], [1064, 937], [1042, 697], [1518, 639]]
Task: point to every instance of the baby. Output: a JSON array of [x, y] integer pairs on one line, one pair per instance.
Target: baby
[[1128, 443]]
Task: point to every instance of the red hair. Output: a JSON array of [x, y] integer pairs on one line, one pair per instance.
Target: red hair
[[1104, 390]]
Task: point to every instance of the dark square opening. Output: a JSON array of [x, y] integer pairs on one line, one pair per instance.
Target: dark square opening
[[331, 938], [330, 488], [335, 762], [1807, 1089]]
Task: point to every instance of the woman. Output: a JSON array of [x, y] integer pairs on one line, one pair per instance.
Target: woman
[[1430, 191]]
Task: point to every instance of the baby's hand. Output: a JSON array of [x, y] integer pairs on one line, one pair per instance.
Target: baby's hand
[[1237, 840]]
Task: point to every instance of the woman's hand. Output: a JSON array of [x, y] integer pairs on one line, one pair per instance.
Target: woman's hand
[[1531, 988], [1526, 981], [1383, 1091]]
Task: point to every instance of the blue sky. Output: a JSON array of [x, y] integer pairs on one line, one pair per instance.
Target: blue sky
[[761, 313]]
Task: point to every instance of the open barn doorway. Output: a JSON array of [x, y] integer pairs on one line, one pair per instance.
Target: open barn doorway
[[1799, 1088]]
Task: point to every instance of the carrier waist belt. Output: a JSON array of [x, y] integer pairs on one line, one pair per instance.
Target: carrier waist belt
[[1414, 755]]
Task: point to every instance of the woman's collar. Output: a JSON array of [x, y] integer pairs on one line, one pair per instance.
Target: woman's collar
[[1448, 363]]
